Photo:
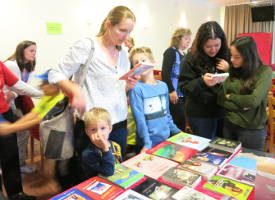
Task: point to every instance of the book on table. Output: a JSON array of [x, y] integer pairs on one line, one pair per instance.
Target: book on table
[[131, 195], [71, 194], [172, 151], [225, 144], [150, 165], [228, 187], [155, 190], [188, 193], [99, 189], [238, 174], [189, 140], [204, 169], [178, 177], [138, 69], [124, 176], [244, 162]]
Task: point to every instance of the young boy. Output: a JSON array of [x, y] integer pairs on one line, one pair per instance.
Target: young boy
[[150, 105], [101, 154], [51, 98]]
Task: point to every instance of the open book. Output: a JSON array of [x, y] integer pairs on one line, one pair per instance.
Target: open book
[[137, 70], [221, 77]]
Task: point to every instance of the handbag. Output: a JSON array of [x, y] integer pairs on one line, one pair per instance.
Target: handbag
[[57, 127]]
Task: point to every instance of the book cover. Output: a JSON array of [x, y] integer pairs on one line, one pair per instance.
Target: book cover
[[225, 144], [243, 162], [155, 190], [150, 165], [124, 176], [187, 193], [131, 195], [172, 151], [178, 177], [71, 194], [220, 77], [189, 140], [238, 174], [99, 189], [228, 187], [202, 168], [137, 70]]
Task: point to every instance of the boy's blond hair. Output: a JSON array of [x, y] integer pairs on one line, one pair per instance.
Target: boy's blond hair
[[146, 50], [95, 114]]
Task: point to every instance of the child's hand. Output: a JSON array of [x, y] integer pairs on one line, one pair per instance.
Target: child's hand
[[100, 142], [222, 65], [132, 81], [209, 80], [143, 150]]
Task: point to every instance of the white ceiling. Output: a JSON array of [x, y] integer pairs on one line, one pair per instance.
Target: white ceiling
[[236, 2]]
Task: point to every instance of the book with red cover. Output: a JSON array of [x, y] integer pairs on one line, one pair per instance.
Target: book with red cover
[[137, 70], [100, 189], [172, 151]]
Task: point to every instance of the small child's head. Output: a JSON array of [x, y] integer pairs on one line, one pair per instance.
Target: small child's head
[[141, 54], [45, 86], [98, 120]]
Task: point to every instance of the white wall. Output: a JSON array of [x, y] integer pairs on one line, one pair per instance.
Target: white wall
[[156, 20]]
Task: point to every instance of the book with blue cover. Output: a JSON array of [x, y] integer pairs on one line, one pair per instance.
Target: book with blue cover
[[243, 162], [72, 194], [124, 176]]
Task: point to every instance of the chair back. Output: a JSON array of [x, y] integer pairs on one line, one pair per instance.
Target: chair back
[[271, 121]]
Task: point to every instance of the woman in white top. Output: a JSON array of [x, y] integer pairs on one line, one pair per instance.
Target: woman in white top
[[22, 64], [101, 87]]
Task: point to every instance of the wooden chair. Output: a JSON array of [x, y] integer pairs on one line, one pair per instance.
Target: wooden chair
[[271, 122], [34, 135], [157, 74]]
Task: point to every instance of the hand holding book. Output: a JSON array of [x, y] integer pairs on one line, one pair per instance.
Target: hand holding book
[[138, 69]]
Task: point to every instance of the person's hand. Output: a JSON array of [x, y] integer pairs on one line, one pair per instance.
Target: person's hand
[[143, 150], [209, 80], [100, 142], [9, 96], [132, 81], [173, 96], [4, 126], [222, 65], [78, 102]]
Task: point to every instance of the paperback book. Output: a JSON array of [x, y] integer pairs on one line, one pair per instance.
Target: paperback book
[[131, 195], [172, 151], [155, 190], [225, 144], [215, 156], [137, 70], [71, 194], [187, 193], [243, 162], [99, 189], [204, 169], [150, 165], [238, 174], [189, 140], [228, 187], [124, 176], [178, 177]]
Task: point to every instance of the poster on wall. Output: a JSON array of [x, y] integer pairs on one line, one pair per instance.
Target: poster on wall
[[54, 28]]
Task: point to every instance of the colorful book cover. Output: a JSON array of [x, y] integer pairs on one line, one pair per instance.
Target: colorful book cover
[[215, 156], [243, 162], [187, 193], [172, 151], [155, 190], [178, 177], [72, 194], [189, 140], [99, 189], [202, 168], [226, 144], [131, 195], [228, 187], [150, 165], [138, 69], [238, 174], [124, 176]]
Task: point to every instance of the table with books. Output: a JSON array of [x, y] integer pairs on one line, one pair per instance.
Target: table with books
[[185, 167]]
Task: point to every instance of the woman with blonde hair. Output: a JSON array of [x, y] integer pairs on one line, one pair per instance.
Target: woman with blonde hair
[[101, 87], [170, 72]]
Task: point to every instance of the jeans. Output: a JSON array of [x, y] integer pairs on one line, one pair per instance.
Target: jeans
[[119, 135], [205, 127], [177, 112], [250, 138]]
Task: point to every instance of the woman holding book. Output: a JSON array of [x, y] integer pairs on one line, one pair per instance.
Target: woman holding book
[[244, 95], [209, 55], [101, 87]]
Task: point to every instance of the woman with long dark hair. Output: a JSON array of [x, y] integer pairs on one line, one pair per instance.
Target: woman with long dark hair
[[244, 95], [209, 55]]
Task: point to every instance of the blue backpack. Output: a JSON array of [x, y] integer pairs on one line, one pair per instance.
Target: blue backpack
[[175, 72]]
